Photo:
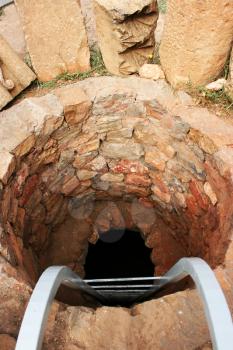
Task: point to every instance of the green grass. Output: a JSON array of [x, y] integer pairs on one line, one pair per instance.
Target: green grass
[[1, 12], [217, 97], [27, 60], [97, 69], [162, 6], [210, 98]]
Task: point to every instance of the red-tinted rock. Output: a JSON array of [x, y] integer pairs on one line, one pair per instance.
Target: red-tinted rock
[[29, 188], [127, 166], [198, 193], [137, 180]]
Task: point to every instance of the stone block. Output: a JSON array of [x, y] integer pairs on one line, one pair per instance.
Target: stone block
[[186, 38], [7, 165], [29, 116], [11, 29], [75, 102], [55, 35], [128, 150], [151, 71], [15, 75], [125, 31]]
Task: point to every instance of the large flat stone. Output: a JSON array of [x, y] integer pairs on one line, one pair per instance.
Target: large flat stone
[[13, 72], [125, 150], [19, 123], [196, 40], [125, 31], [207, 130], [11, 29], [55, 35]]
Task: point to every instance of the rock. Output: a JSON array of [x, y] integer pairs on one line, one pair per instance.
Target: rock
[[12, 31], [7, 342], [87, 10], [70, 185], [125, 166], [138, 180], [224, 160], [7, 166], [14, 294], [151, 71], [88, 147], [97, 164], [163, 196], [186, 38], [125, 32], [32, 115], [84, 175], [15, 75], [146, 90], [128, 150], [112, 177], [208, 131], [123, 132], [181, 325], [56, 37], [159, 28], [81, 161], [76, 104], [216, 85], [156, 159], [210, 193], [108, 123]]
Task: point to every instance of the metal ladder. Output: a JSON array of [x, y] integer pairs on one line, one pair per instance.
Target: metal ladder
[[131, 290]]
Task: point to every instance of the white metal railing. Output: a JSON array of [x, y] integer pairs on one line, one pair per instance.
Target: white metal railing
[[216, 309]]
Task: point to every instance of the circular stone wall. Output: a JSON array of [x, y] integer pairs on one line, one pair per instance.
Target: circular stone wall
[[82, 160]]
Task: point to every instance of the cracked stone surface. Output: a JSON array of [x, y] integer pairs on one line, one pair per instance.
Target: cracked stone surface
[[125, 32]]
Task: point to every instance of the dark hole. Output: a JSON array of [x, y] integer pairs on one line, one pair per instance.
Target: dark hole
[[118, 254]]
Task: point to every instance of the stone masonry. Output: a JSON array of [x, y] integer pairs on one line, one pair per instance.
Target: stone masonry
[[125, 31], [74, 150], [54, 48], [132, 155]]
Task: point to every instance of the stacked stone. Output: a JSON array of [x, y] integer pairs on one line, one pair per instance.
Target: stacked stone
[[125, 31], [65, 154]]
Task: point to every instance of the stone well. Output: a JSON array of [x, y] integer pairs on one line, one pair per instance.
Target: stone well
[[82, 160]]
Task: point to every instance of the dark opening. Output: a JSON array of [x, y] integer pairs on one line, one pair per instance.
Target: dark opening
[[118, 254]]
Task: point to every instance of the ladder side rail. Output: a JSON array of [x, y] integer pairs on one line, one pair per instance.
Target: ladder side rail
[[32, 329], [213, 299]]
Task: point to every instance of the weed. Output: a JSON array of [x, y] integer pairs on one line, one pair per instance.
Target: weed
[[27, 60], [204, 96], [97, 63], [226, 69], [162, 4], [51, 84], [154, 58], [218, 97], [1, 12], [97, 68]]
